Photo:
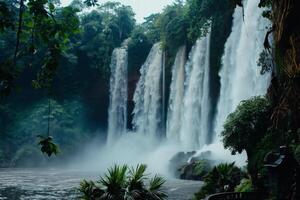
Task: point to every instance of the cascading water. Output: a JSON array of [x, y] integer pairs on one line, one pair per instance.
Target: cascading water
[[148, 95], [240, 75], [189, 103], [117, 113], [194, 122], [176, 96]]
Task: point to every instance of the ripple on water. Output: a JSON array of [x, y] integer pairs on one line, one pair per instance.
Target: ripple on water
[[37, 184]]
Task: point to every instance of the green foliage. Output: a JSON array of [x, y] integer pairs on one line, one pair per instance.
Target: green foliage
[[155, 190], [265, 3], [91, 2], [222, 178], [89, 190], [44, 29], [61, 51], [21, 131], [47, 145], [151, 27], [172, 25], [195, 170], [265, 62], [114, 182], [247, 125], [202, 167], [244, 186], [297, 153], [123, 183], [199, 17], [138, 48], [103, 30], [6, 16], [248, 129]]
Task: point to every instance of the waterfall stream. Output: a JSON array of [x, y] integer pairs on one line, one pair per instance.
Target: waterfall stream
[[176, 96], [147, 97], [240, 76], [188, 109], [117, 112], [193, 130]]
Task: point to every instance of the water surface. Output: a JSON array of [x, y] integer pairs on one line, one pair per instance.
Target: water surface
[[49, 184]]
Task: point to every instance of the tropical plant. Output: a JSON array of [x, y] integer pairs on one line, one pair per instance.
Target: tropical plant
[[89, 190], [244, 186], [47, 145], [245, 128], [222, 178], [122, 183]]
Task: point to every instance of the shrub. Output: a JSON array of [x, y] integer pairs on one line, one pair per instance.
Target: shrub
[[247, 125], [123, 183], [244, 186], [222, 178]]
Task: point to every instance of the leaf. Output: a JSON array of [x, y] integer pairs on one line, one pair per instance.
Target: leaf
[[51, 7], [47, 145]]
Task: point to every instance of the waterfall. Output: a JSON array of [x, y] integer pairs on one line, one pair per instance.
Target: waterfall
[[148, 95], [194, 122], [117, 112], [240, 75], [176, 96]]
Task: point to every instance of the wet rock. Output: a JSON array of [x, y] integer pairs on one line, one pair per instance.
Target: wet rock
[[195, 170], [178, 160], [192, 166]]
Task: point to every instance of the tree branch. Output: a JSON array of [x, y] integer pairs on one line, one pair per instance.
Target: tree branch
[[19, 30]]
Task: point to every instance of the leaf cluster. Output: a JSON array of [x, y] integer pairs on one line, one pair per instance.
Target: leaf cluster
[[247, 125], [123, 183], [222, 178], [43, 29], [47, 145], [265, 62], [6, 16]]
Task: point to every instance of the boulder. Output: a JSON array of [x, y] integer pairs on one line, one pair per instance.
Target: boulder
[[190, 165], [195, 170]]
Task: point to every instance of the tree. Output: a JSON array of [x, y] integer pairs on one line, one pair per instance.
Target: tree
[[245, 129], [41, 27], [103, 30], [247, 125], [151, 27], [172, 24]]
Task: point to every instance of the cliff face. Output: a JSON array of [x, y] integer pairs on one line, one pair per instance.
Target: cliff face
[[285, 88]]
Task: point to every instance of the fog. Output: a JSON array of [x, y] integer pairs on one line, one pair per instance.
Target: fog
[[132, 149]]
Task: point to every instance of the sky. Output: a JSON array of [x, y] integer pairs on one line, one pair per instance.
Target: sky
[[142, 8]]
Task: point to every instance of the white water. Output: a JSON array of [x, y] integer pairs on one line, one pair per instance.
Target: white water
[[194, 122], [176, 96], [189, 103], [240, 75], [147, 97], [117, 112]]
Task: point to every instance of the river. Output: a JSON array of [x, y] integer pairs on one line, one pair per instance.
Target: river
[[50, 184]]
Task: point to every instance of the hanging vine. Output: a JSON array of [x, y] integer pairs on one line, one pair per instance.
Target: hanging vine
[[46, 142]]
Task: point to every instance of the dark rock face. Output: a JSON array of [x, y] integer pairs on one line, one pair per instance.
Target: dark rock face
[[178, 160], [189, 166], [195, 170]]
